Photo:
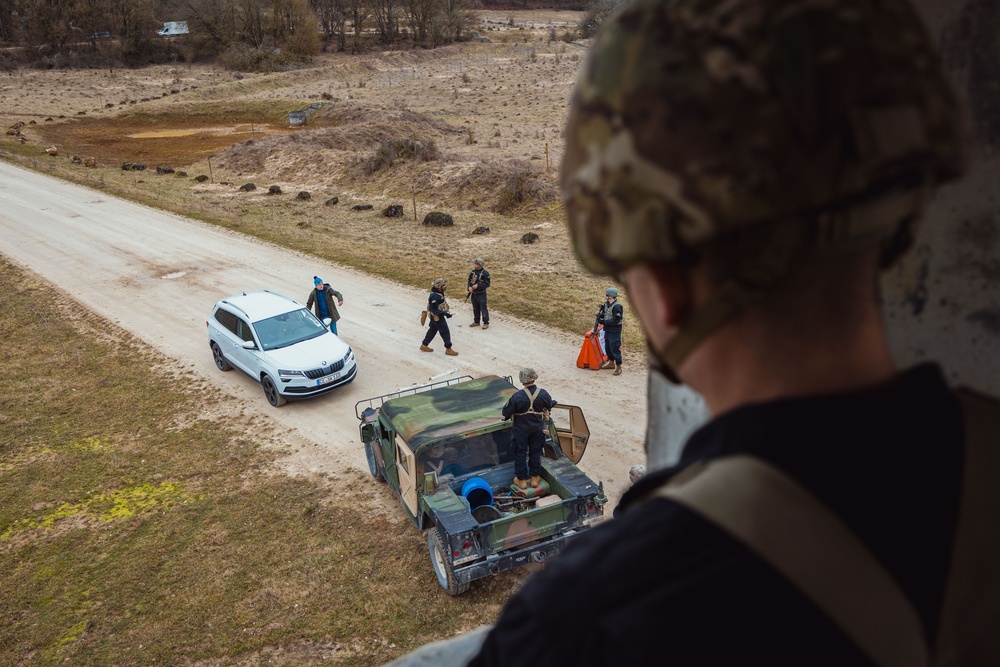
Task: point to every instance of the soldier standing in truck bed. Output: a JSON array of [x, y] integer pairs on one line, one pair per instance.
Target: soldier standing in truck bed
[[529, 408]]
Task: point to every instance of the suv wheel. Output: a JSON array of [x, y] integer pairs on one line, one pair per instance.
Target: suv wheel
[[220, 359], [271, 392], [443, 568]]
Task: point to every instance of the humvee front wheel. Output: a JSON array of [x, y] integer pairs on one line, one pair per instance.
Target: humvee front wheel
[[442, 565], [373, 466]]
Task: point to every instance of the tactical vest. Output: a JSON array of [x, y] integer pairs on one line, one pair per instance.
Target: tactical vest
[[608, 314]]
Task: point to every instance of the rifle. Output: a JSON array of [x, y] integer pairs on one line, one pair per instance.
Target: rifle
[[503, 503], [474, 283]]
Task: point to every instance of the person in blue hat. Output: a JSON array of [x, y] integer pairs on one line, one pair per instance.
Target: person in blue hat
[[321, 301]]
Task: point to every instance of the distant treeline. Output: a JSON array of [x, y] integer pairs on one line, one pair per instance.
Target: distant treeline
[[240, 34]]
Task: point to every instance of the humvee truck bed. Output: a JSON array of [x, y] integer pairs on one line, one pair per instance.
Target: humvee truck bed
[[446, 453]]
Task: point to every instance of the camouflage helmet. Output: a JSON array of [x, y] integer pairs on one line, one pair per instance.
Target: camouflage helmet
[[439, 283], [527, 375], [691, 120], [611, 291], [478, 261]]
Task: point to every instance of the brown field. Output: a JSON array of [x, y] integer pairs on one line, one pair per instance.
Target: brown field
[[485, 120]]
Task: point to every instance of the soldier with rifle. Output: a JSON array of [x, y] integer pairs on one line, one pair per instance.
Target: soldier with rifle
[[479, 282]]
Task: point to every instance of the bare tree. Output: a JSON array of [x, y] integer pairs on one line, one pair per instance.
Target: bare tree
[[332, 16], [455, 18], [134, 25], [251, 23], [301, 29], [50, 23], [359, 12], [386, 22], [419, 16]]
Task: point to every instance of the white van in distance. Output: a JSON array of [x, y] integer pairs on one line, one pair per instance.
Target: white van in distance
[[173, 28]]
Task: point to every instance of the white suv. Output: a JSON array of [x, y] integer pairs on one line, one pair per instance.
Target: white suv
[[280, 344]]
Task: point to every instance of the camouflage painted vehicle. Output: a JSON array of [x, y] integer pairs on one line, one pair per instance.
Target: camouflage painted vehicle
[[446, 453]]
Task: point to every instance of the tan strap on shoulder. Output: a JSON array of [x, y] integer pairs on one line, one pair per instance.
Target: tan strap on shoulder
[[970, 622], [790, 529]]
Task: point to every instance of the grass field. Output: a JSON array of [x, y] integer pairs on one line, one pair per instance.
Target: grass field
[[166, 536]]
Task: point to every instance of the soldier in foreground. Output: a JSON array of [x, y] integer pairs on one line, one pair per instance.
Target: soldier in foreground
[[746, 168], [529, 408], [438, 314]]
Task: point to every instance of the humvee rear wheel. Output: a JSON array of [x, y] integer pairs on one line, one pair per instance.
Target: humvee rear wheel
[[442, 565], [373, 466]]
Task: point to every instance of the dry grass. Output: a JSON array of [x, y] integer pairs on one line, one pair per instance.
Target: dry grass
[[169, 539], [509, 98]]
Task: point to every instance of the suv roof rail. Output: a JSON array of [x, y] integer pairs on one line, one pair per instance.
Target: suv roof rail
[[235, 307], [371, 402]]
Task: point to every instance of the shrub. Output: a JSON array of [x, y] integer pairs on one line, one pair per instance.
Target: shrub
[[400, 149], [521, 185]]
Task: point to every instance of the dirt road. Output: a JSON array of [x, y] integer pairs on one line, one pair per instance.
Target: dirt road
[[157, 275]]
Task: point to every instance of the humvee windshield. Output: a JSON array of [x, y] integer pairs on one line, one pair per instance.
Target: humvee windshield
[[461, 457]]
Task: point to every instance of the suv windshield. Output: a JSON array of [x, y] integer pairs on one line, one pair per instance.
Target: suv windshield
[[288, 329]]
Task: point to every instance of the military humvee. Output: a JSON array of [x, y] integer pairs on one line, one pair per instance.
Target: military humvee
[[446, 453]]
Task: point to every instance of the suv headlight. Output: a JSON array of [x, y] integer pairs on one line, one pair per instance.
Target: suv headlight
[[290, 375], [347, 357]]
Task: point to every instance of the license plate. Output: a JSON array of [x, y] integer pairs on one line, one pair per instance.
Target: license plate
[[328, 379]]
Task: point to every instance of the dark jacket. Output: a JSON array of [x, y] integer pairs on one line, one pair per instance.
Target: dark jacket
[[481, 279], [436, 304], [331, 303], [658, 584], [610, 315], [528, 416]]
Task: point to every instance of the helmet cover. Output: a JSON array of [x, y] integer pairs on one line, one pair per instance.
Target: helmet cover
[[527, 375], [691, 119]]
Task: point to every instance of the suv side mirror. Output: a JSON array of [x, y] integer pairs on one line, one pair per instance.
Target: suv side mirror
[[249, 345]]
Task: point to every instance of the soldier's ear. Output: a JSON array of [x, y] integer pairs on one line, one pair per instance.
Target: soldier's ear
[[661, 297]]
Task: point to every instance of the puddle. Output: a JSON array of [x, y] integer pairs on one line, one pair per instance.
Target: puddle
[[163, 134]]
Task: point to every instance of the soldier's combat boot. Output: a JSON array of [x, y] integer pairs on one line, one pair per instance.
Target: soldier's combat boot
[[536, 480], [426, 349], [450, 352], [521, 484], [618, 369], [474, 324], [486, 326]]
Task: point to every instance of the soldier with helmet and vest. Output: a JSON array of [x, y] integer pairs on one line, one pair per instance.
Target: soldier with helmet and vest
[[438, 314], [529, 408], [609, 318], [746, 168], [478, 283]]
